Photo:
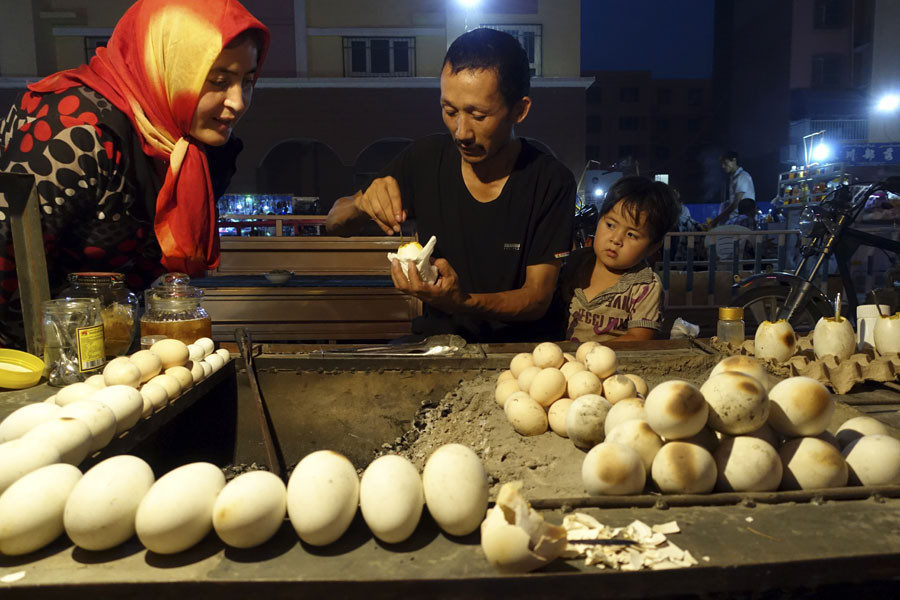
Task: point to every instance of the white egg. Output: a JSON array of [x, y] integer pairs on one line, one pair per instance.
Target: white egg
[[21, 456], [705, 438], [21, 420], [527, 376], [572, 367], [618, 387], [582, 384], [171, 352], [584, 349], [74, 392], [548, 386], [121, 371], [31, 509], [766, 434], [568, 357], [456, 489], [640, 385], [744, 364], [215, 361], [873, 460], [149, 364], [505, 376], [250, 509], [176, 513], [68, 435], [800, 406], [747, 464], [584, 420], [852, 429], [505, 389], [195, 352], [99, 418], [391, 498], [207, 344], [126, 403], [101, 509], [154, 394], [640, 437], [834, 336], [556, 416], [738, 403], [322, 497], [224, 354], [183, 375], [676, 409], [208, 370], [887, 334], [525, 415], [775, 341], [601, 361], [168, 383], [197, 372], [548, 354], [96, 380], [613, 469], [682, 468], [624, 410], [811, 464], [520, 362]]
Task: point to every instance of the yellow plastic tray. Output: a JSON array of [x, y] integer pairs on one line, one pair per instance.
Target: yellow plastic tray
[[19, 370]]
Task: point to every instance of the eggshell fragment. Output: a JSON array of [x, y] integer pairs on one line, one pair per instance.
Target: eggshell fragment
[[126, 403], [23, 419], [747, 464], [873, 460], [682, 468], [676, 409], [547, 354], [505, 389], [613, 469], [583, 383], [640, 437], [738, 403], [525, 415], [391, 498], [584, 349], [520, 362], [176, 513], [99, 418], [250, 509], [31, 509], [556, 416], [515, 538], [456, 488], [811, 464], [548, 386], [69, 436], [74, 392], [601, 361], [775, 341], [618, 387], [800, 406], [744, 364], [171, 352], [853, 429], [121, 371], [21, 456], [149, 364], [624, 410], [117, 484], [322, 497], [584, 421]]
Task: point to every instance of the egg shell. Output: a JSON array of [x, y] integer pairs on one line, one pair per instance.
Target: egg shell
[[624, 410], [154, 394], [811, 464], [21, 456], [215, 361], [21, 420], [887, 334], [682, 468], [601, 361], [183, 375], [505, 389], [676, 409], [505, 376], [456, 489], [96, 380], [207, 368], [800, 406], [873, 460], [582, 384], [744, 364], [849, 430], [775, 341], [224, 354], [572, 367], [548, 386], [171, 352], [527, 376], [31, 509], [548, 354], [391, 498], [74, 392], [640, 437], [126, 403], [618, 387], [525, 415], [556, 416], [584, 349], [195, 352], [322, 497], [68, 435], [834, 336], [738, 403], [148, 363], [585, 419], [640, 385], [168, 383], [747, 464], [121, 371], [520, 362], [101, 509], [99, 418], [176, 513], [250, 509], [207, 344], [613, 469]]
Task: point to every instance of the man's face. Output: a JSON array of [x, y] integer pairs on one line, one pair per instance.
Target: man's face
[[729, 165], [475, 113]]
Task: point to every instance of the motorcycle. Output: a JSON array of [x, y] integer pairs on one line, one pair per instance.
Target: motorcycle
[[586, 219], [827, 232]]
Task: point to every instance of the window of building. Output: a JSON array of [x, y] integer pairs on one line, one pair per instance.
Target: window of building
[[530, 38], [629, 94], [629, 123], [695, 97], [664, 96], [829, 14], [91, 43], [826, 70], [379, 57], [594, 123]]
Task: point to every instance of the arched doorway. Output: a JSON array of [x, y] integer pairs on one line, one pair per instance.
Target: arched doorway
[[305, 167]]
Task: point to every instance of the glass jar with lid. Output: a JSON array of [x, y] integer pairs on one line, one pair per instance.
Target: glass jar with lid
[[730, 327], [119, 307], [174, 310], [71, 336]]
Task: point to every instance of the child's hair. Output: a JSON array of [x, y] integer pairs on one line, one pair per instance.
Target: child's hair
[[646, 201], [747, 206]]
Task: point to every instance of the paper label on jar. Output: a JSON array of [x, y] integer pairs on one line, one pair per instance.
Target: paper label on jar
[[91, 349]]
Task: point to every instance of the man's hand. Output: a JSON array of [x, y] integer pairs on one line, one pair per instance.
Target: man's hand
[[444, 294], [382, 202]]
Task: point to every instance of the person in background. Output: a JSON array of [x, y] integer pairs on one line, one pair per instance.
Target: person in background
[[130, 151], [740, 186], [502, 211], [746, 214], [611, 291]]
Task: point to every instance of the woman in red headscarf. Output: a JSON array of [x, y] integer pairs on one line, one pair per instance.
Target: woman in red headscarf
[[130, 151]]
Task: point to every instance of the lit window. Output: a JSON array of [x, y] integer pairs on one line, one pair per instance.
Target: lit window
[[379, 57], [530, 38]]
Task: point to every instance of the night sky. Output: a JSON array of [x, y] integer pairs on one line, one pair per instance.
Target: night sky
[[671, 38]]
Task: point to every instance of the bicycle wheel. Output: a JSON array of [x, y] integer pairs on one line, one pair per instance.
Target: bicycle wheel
[[764, 303]]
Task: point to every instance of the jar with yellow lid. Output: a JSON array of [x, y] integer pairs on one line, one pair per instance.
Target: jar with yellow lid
[[730, 327], [119, 307], [175, 311]]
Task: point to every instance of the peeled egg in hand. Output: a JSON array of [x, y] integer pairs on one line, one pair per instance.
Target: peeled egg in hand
[[419, 256], [322, 497], [391, 498], [250, 509], [456, 488]]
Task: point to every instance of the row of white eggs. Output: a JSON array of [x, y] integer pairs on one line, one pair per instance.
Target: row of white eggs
[[118, 498], [82, 418], [832, 336]]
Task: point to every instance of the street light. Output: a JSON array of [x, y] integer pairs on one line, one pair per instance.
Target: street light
[[469, 3], [888, 103], [821, 153]]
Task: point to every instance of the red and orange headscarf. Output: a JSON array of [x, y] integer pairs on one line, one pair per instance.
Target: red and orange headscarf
[[153, 70]]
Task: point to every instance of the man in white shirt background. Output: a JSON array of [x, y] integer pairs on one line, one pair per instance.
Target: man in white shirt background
[[740, 186]]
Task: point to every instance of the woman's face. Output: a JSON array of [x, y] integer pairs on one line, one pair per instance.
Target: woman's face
[[226, 94]]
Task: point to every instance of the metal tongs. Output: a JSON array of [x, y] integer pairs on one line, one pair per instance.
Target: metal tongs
[[435, 345]]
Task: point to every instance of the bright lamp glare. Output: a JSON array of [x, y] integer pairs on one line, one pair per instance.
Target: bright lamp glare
[[888, 103], [469, 3], [598, 192], [821, 153]]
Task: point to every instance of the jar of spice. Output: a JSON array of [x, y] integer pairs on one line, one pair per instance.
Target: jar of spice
[[119, 307], [175, 311], [72, 339], [730, 327]]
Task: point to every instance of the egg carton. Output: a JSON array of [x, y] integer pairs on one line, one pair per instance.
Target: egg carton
[[839, 375]]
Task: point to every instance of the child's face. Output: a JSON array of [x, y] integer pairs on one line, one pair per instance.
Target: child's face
[[620, 243]]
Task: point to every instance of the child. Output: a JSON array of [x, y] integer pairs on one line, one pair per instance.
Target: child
[[610, 290]]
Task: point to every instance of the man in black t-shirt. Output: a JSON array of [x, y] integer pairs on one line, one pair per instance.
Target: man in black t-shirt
[[502, 210]]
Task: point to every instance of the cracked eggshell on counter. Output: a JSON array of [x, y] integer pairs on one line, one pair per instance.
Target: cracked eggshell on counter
[[391, 498], [322, 497], [23, 419], [250, 509], [456, 488]]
